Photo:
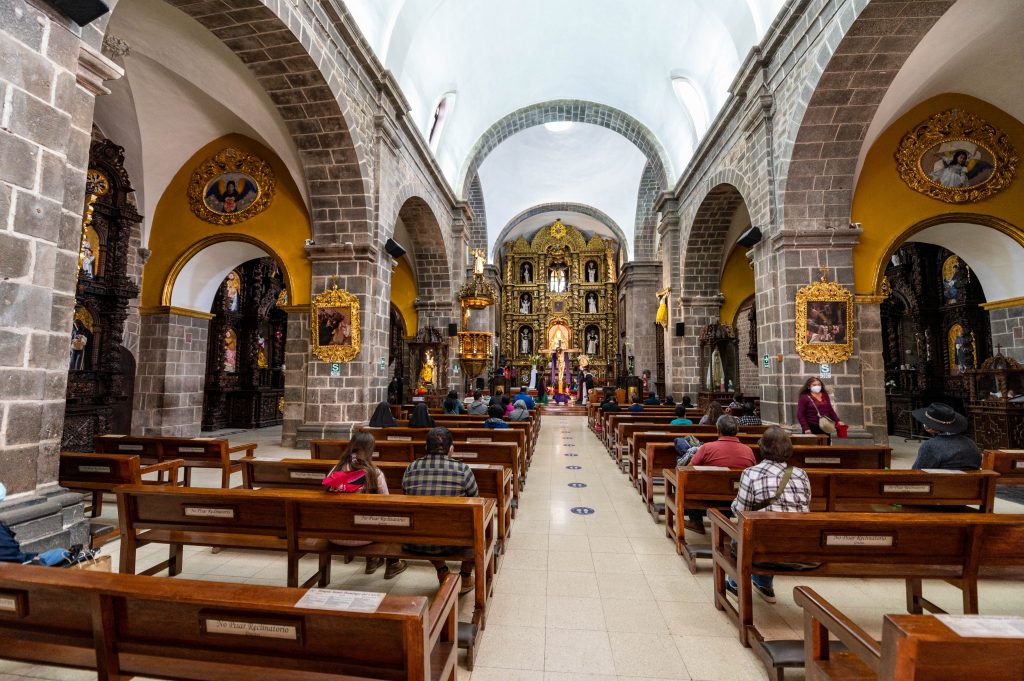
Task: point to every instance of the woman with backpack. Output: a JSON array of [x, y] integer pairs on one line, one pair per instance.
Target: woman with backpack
[[355, 474]]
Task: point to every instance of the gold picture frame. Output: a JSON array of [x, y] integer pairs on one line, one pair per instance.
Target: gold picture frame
[[230, 187], [824, 323], [956, 157], [335, 325]]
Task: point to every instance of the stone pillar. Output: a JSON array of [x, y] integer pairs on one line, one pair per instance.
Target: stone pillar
[[171, 372], [697, 312], [869, 343], [638, 286], [49, 78], [335, 404], [783, 263], [296, 359], [439, 314], [1007, 323], [668, 251]]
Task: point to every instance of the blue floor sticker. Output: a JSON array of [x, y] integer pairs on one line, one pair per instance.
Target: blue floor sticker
[[574, 468], [582, 510], [577, 485]]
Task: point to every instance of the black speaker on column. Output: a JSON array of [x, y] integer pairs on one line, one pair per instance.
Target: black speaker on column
[[453, 329], [680, 329], [394, 249], [750, 237], [81, 12]]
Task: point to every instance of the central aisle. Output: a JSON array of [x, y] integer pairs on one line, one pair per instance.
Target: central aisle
[[601, 594]]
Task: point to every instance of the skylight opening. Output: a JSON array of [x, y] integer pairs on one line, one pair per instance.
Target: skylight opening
[[558, 126]]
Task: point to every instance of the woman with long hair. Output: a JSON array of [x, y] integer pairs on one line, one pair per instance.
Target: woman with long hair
[[814, 404], [711, 415], [355, 473], [452, 404], [421, 417]]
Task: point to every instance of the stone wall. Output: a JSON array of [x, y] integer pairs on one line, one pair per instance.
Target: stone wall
[[749, 383], [1008, 330], [638, 286]]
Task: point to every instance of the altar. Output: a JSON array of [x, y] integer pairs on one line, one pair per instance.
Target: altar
[[561, 361]]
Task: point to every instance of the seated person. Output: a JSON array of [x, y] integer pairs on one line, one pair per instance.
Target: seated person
[[744, 414], [636, 406], [506, 404], [727, 451], [687, 402], [680, 419], [948, 447], [714, 410], [477, 406], [519, 411], [653, 400], [496, 417], [771, 485], [452, 404], [610, 403], [438, 474], [524, 395], [669, 401], [382, 417]]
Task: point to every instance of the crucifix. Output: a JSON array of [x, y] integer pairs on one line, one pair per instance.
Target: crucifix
[[824, 272]]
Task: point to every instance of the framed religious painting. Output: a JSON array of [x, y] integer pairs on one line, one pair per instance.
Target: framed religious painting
[[335, 325], [824, 323], [956, 157], [230, 187]]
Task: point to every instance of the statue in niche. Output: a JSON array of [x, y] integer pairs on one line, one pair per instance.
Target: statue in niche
[[558, 279], [80, 336], [591, 272], [525, 341], [88, 262], [525, 304], [526, 273], [261, 352], [592, 340], [232, 291], [427, 369], [591, 303], [230, 352]]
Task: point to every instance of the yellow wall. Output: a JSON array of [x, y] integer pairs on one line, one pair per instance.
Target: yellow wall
[[403, 294], [283, 227], [737, 283], [887, 208]]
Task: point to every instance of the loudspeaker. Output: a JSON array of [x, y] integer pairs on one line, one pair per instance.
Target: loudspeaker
[[680, 329], [394, 249], [750, 237], [81, 12], [453, 329]]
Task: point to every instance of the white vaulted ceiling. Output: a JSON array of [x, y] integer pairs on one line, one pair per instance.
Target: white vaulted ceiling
[[499, 57]]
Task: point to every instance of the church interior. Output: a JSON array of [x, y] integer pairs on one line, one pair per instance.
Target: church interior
[[588, 340]]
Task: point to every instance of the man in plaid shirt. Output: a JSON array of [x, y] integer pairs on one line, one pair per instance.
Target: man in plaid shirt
[[761, 484], [438, 474]]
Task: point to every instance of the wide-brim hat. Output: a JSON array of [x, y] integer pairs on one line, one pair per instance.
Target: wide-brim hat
[[941, 417]]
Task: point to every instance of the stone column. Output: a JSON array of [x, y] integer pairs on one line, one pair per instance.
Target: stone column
[[668, 250], [335, 404], [872, 365], [638, 286], [171, 372], [697, 311], [49, 78], [296, 359], [1007, 321]]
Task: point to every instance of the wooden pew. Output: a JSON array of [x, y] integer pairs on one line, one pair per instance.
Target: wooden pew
[[955, 547], [525, 426], [196, 452], [913, 648], [124, 626], [493, 480], [467, 435], [748, 435], [831, 490], [298, 522], [1009, 463]]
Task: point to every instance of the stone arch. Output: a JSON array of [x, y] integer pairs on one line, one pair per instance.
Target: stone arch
[[477, 227], [847, 80], [703, 246], [432, 265], [645, 228], [286, 65], [540, 209]]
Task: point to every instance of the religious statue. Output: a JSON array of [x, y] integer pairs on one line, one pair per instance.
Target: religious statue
[[525, 341], [591, 272], [261, 352], [478, 261], [526, 273], [79, 341], [591, 303], [592, 339], [427, 370], [558, 280], [88, 261], [525, 305]]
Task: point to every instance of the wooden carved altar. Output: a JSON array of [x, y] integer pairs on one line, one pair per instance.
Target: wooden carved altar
[[996, 404], [560, 281]]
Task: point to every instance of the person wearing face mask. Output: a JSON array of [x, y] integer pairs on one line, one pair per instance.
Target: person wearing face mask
[[813, 405]]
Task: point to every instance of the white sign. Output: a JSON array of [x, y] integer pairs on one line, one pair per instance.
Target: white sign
[[336, 599], [465, 455], [268, 458], [191, 450], [478, 440], [825, 371], [400, 438], [906, 489], [858, 540], [258, 629], [1018, 464], [130, 448], [94, 469], [376, 455], [305, 475], [382, 520], [822, 459], [200, 512], [710, 468], [335, 369], [942, 471], [984, 626], [8, 604]]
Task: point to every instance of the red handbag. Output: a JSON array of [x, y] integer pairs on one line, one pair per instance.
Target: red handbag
[[345, 481]]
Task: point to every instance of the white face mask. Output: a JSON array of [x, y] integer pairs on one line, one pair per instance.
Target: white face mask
[[815, 389]]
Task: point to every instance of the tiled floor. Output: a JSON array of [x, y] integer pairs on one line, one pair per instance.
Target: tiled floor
[[590, 597]]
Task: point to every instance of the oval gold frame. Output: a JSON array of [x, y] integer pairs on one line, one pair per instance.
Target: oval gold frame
[[230, 160]]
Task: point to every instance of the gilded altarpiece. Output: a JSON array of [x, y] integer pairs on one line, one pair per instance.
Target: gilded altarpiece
[[560, 283]]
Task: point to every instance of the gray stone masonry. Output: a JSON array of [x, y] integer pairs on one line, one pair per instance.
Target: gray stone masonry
[[639, 284], [1008, 331]]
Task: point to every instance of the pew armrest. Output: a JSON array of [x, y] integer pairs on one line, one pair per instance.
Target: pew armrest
[[248, 448], [170, 467], [725, 524], [821, 618], [445, 602]]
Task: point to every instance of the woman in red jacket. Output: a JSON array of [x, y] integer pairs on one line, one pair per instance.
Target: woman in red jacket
[[815, 403]]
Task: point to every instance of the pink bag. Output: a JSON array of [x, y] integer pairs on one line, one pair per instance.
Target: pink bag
[[345, 481]]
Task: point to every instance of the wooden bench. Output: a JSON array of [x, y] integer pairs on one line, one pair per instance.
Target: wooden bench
[[299, 522], [467, 435], [955, 547], [519, 426], [913, 648], [196, 452], [1009, 463], [493, 480], [831, 490], [749, 435], [124, 626]]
